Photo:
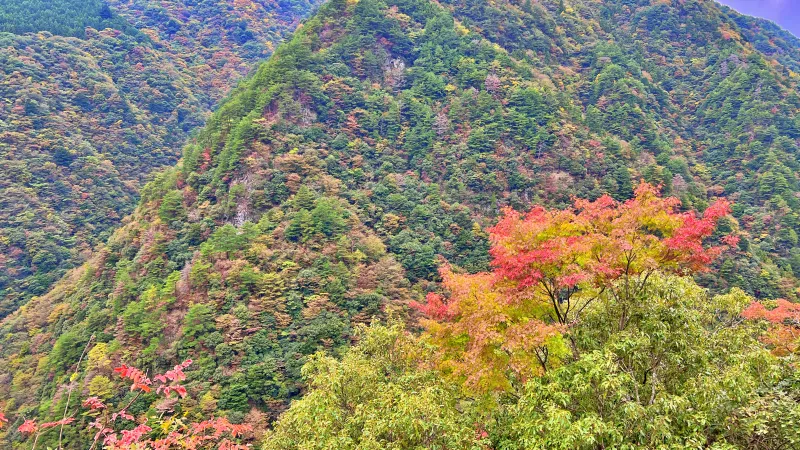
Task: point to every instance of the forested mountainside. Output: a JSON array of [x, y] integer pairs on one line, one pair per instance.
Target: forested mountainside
[[61, 17], [383, 140], [769, 38], [96, 96], [218, 41]]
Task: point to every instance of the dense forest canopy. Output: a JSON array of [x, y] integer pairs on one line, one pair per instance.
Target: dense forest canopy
[[60, 17], [96, 96], [579, 203]]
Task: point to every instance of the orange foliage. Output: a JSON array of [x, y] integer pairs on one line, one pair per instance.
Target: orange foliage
[[554, 255], [549, 265], [784, 332], [486, 341]]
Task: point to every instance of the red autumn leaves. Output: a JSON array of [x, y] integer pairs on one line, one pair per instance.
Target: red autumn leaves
[[93, 403], [212, 433], [548, 267], [30, 426], [783, 335], [138, 378], [168, 380], [596, 242]]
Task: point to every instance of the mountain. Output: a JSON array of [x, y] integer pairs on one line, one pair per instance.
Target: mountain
[[62, 17], [769, 38], [387, 135], [97, 97], [786, 14]]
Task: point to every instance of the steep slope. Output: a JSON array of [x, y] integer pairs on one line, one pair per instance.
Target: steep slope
[[216, 41], [768, 38], [685, 86], [87, 115], [384, 134], [735, 119]]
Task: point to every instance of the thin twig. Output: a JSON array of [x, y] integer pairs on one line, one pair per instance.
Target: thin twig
[[71, 387], [35, 440], [106, 423]]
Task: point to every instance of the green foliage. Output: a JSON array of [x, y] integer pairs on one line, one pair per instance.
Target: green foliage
[[326, 189], [199, 321], [97, 115], [328, 217], [672, 368], [66, 350], [171, 207], [376, 397], [60, 17]]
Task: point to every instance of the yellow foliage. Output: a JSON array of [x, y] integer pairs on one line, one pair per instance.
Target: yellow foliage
[[208, 404], [58, 310], [101, 386]]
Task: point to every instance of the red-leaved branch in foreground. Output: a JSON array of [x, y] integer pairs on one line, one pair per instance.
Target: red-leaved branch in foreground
[[117, 429]]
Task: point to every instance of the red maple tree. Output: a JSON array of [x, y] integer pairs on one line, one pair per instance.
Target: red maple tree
[[548, 267]]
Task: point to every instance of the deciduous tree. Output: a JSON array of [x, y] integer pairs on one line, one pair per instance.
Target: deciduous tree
[[549, 267]]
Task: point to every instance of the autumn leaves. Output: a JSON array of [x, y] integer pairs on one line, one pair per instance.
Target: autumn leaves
[[503, 327], [118, 429]]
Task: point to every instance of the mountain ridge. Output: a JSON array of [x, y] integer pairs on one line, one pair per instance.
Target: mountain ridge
[[384, 135]]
